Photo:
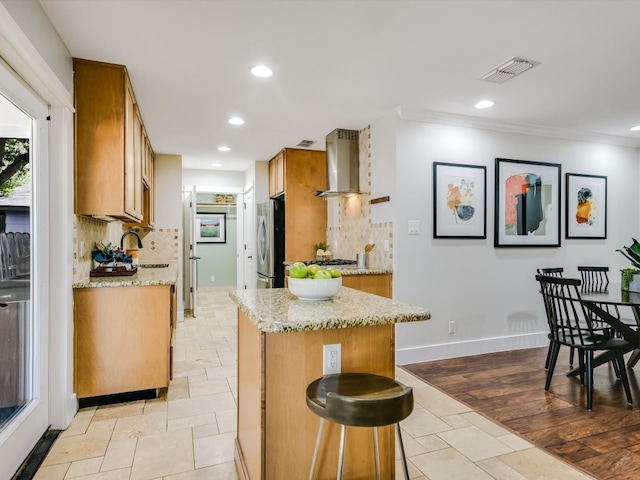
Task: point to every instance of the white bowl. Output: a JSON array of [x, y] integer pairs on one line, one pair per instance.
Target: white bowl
[[314, 289]]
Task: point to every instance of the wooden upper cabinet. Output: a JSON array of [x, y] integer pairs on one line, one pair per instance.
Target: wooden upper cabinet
[[299, 174], [149, 189], [277, 175], [109, 143]]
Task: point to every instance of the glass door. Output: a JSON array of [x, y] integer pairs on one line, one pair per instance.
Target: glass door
[[23, 338]]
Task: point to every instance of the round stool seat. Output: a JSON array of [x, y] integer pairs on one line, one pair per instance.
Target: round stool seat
[[360, 399]]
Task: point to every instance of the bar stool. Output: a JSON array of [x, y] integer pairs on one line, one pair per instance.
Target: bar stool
[[360, 400]]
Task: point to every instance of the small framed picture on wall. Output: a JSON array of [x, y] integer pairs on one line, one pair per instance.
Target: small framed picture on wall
[[459, 201], [586, 206], [211, 228]]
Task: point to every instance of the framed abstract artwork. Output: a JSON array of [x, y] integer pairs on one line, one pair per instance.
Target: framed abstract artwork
[[527, 203], [586, 206], [211, 228], [459, 201]]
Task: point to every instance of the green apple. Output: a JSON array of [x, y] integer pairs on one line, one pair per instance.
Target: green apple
[[335, 273], [298, 270], [312, 269], [322, 275]]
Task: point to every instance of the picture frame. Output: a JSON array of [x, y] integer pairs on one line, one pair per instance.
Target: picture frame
[[527, 203], [585, 206], [211, 228], [459, 200]]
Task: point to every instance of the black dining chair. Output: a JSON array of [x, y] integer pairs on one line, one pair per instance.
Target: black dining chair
[[573, 323], [554, 272], [596, 278]]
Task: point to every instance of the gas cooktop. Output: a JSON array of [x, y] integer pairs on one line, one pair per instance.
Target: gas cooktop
[[338, 262]]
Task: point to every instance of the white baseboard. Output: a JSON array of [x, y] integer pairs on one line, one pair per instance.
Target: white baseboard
[[72, 409], [442, 351]]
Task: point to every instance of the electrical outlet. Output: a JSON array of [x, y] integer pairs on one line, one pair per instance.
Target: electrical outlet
[[213, 278], [452, 327], [386, 245], [414, 227], [331, 358], [82, 249]]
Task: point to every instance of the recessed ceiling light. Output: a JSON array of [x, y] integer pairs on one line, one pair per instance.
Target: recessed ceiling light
[[485, 104], [635, 129], [236, 121], [223, 148], [216, 164], [261, 71]]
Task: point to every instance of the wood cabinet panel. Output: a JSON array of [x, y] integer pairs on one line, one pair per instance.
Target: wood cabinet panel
[[251, 378], [122, 339], [305, 214], [277, 175], [376, 284], [280, 173]]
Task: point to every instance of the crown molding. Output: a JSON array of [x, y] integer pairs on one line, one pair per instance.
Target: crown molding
[[429, 116]]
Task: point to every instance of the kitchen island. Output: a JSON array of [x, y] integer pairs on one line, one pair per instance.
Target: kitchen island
[[280, 349]]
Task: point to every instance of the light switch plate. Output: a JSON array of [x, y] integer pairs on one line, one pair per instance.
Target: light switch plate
[[414, 227]]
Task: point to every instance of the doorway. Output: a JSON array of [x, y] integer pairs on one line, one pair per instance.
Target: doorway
[[24, 389], [213, 231]]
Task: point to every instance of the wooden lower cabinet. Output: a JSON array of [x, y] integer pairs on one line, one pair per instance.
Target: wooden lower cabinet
[[276, 430], [122, 338], [377, 284]]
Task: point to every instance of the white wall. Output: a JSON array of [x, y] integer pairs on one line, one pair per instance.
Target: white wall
[[168, 191], [491, 293], [214, 180]]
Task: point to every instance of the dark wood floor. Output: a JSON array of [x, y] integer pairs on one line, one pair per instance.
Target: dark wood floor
[[508, 387]]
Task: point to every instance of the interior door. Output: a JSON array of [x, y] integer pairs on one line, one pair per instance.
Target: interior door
[[189, 254], [249, 236], [193, 259], [24, 321]]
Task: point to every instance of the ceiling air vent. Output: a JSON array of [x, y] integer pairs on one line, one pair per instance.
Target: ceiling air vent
[[306, 143], [509, 69]]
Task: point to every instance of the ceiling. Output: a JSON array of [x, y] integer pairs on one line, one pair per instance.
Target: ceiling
[[343, 64]]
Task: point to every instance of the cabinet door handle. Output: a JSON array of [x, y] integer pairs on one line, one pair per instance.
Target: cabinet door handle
[[194, 258], [250, 256]]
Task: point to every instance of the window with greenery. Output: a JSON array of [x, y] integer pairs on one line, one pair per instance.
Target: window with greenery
[[14, 170]]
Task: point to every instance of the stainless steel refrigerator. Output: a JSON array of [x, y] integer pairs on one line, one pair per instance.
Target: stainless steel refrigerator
[[270, 244]]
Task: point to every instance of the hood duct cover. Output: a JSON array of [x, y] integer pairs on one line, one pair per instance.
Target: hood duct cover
[[343, 163]]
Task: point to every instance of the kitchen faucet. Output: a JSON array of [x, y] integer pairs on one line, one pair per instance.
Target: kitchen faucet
[[130, 232]]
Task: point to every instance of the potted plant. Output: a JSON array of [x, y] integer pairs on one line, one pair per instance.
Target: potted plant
[[322, 251], [631, 275], [103, 253]]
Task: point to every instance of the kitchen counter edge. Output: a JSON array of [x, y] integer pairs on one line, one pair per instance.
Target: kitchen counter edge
[[143, 277], [345, 272], [276, 310]]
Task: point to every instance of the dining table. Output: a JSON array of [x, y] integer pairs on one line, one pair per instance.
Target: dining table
[[609, 298]]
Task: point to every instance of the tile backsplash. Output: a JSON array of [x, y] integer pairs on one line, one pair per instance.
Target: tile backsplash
[[354, 228], [159, 245]]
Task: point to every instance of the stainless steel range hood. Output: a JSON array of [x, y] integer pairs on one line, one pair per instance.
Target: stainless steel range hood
[[343, 163]]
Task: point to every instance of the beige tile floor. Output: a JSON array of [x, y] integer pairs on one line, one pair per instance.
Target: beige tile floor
[[188, 433]]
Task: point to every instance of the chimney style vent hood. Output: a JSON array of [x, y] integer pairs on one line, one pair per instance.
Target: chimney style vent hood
[[343, 163]]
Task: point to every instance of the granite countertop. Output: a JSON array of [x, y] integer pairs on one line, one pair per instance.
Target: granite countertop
[[346, 271], [276, 310], [352, 270], [143, 277]]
